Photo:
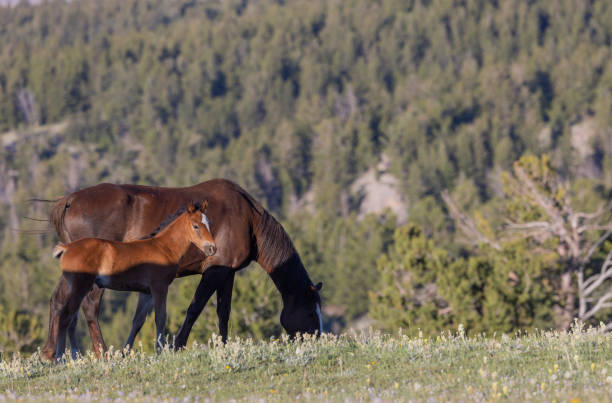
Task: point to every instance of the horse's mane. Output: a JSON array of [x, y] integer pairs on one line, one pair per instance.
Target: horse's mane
[[274, 247], [277, 254], [168, 220]]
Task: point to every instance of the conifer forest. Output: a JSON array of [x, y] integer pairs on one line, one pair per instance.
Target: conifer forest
[[438, 164]]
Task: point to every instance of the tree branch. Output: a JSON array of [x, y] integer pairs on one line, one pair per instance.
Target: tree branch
[[596, 280], [594, 247], [602, 303], [466, 223]]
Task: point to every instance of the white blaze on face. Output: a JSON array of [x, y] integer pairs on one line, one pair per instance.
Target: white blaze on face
[[318, 309], [205, 221]]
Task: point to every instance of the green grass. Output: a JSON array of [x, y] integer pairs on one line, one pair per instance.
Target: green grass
[[545, 366]]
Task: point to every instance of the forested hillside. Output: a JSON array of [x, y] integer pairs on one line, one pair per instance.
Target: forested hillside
[[347, 120]]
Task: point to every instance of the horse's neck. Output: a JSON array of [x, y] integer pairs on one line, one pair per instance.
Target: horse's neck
[[290, 277], [172, 240], [277, 256]]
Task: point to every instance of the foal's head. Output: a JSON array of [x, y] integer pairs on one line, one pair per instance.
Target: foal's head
[[199, 228]]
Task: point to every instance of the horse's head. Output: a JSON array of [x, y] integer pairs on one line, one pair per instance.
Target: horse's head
[[199, 228], [302, 314]]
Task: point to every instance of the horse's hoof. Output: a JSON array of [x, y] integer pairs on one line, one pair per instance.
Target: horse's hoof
[[48, 355]]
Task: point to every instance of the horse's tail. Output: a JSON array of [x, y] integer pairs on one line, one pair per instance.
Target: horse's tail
[[56, 216], [59, 249]]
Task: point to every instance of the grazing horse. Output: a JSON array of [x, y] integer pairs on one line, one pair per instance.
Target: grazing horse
[[244, 232], [147, 266]]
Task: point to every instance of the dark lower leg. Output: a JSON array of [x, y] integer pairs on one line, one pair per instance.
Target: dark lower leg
[[203, 293], [74, 344], [69, 311], [224, 304], [159, 298], [145, 305]]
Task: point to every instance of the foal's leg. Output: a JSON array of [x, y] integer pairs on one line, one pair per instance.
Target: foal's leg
[[144, 307], [79, 287], [208, 285], [159, 299], [224, 303], [74, 343]]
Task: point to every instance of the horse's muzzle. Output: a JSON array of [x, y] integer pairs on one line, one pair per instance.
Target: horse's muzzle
[[210, 249]]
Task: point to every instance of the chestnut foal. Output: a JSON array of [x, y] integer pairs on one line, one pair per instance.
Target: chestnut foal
[[147, 266]]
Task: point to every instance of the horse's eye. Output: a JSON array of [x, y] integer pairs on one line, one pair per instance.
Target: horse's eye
[[195, 226]]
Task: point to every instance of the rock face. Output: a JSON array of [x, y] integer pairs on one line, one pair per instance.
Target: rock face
[[583, 140], [586, 140], [379, 190]]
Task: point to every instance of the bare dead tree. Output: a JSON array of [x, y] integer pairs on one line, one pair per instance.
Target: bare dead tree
[[574, 229], [546, 193]]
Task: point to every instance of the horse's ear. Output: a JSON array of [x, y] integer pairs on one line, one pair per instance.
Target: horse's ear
[[317, 287], [191, 207], [204, 206]]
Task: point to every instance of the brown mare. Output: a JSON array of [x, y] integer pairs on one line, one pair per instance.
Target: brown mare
[[244, 231], [147, 266]]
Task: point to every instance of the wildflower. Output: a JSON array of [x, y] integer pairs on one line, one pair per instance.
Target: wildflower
[[396, 385], [575, 400], [272, 390], [592, 366], [505, 390], [373, 362]]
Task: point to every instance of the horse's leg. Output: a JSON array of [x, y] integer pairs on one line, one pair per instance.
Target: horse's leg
[[58, 300], [79, 287], [91, 310], [205, 289], [145, 305], [74, 343], [224, 303], [159, 300]]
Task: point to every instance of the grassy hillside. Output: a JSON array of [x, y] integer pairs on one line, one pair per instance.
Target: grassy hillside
[[537, 367]]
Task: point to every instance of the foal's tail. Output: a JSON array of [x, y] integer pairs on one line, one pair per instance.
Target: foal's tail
[[59, 249], [56, 216]]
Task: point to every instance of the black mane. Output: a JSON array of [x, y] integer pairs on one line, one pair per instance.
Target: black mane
[[168, 220]]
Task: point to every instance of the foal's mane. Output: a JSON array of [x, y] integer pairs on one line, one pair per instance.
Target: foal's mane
[[170, 219]]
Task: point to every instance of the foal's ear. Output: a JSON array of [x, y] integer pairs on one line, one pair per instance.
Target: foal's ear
[[191, 207], [317, 287], [204, 206]]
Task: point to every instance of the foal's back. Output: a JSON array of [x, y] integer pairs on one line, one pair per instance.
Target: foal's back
[[103, 257], [87, 256]]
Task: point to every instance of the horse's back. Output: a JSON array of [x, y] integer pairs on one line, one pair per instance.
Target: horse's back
[[129, 212]]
